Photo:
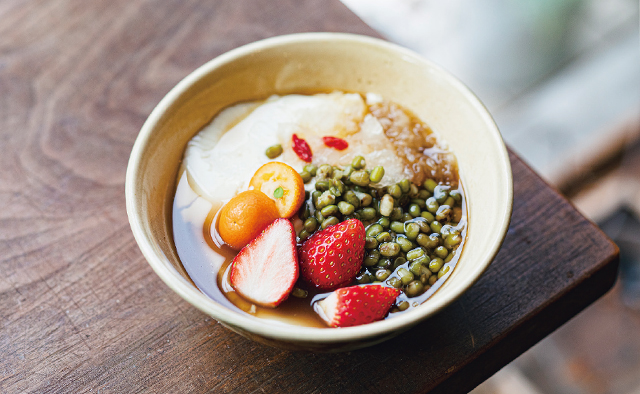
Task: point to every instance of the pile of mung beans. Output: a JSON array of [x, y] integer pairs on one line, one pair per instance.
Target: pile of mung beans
[[412, 231]]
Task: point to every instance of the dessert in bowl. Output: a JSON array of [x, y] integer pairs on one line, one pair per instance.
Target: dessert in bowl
[[361, 77]]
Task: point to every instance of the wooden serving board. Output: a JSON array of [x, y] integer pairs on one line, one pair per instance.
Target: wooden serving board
[[81, 310]]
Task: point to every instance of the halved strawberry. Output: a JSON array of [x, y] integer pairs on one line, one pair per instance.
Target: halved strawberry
[[265, 270], [332, 257], [355, 305]]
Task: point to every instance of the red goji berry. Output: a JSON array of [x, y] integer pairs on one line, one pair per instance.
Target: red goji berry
[[335, 143], [302, 149]]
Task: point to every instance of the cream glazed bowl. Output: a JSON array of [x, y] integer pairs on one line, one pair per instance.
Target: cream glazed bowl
[[314, 62]]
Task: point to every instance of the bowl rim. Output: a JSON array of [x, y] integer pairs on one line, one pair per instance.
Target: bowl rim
[[276, 330]]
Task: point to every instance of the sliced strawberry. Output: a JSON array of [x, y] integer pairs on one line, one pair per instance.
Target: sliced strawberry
[[332, 257], [265, 270], [355, 305]]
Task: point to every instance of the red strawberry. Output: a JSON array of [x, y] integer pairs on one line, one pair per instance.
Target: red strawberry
[[265, 270], [355, 305], [332, 257]]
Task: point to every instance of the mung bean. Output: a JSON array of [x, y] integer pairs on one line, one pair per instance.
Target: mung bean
[[325, 199], [443, 271], [405, 185], [413, 191], [360, 178], [358, 163], [396, 214], [432, 205], [419, 202], [398, 262], [424, 194], [450, 256], [397, 227], [376, 174], [311, 225], [304, 234], [441, 252], [306, 177], [404, 243], [346, 172], [382, 275], [386, 205], [449, 201], [430, 185], [363, 278], [441, 192], [415, 253], [329, 210], [414, 289], [372, 258], [395, 282], [452, 240], [457, 214], [350, 197], [274, 151], [428, 216], [384, 222], [415, 268], [374, 230], [323, 185], [383, 237], [370, 243], [405, 276], [330, 221], [367, 213], [444, 213], [395, 191], [384, 264], [311, 169], [324, 171], [346, 208], [436, 226], [411, 230], [456, 195], [364, 198], [299, 293], [389, 249], [436, 264]]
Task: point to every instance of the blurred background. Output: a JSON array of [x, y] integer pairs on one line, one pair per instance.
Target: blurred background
[[562, 80]]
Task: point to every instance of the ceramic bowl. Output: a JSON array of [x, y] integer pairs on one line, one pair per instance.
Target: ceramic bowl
[[307, 63]]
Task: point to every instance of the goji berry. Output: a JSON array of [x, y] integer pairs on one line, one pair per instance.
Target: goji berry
[[302, 149], [335, 143]]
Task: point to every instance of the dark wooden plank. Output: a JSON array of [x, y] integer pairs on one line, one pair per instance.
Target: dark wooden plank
[[80, 309]]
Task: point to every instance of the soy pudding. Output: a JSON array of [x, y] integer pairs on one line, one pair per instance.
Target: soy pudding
[[324, 164]]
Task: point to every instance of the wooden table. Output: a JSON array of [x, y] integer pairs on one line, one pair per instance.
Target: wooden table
[[81, 311]]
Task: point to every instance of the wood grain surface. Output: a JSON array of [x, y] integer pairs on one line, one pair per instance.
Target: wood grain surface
[[80, 309]]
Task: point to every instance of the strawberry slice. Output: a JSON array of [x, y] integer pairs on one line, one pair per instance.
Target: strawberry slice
[[332, 257], [265, 270], [355, 305]]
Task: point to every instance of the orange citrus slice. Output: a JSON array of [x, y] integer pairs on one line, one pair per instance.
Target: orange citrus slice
[[244, 217], [281, 183]]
